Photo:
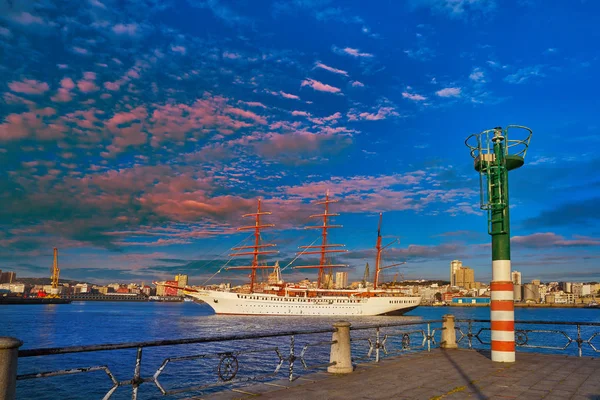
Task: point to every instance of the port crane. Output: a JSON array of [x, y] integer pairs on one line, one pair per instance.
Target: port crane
[[55, 270]]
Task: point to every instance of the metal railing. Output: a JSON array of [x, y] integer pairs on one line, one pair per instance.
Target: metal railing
[[393, 341], [235, 362], [227, 368], [386, 339], [534, 338]]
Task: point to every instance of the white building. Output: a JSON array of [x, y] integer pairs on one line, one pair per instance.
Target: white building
[[341, 280], [13, 287], [516, 278], [455, 265]]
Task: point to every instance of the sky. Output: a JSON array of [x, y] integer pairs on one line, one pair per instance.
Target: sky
[[135, 134]]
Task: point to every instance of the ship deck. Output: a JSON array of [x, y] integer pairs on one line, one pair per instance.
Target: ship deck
[[442, 374]]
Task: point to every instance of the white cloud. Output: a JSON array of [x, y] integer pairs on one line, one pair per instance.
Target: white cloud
[[477, 75], [524, 74], [456, 8]]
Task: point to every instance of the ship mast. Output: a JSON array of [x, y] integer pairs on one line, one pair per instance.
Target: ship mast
[[324, 248], [256, 247], [378, 267]]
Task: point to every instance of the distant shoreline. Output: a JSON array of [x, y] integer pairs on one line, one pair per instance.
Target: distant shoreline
[[521, 305]]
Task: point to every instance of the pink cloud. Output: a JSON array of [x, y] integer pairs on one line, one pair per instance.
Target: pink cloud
[[357, 84], [300, 113], [289, 96], [246, 114], [550, 239], [5, 32], [363, 193], [11, 98], [352, 52], [382, 113], [321, 87], [413, 96], [125, 29], [178, 49], [67, 83], [25, 18], [300, 147], [254, 104], [80, 50], [206, 115], [87, 86], [29, 86], [331, 69], [283, 94], [449, 92], [62, 96], [113, 86], [231, 55], [39, 123]]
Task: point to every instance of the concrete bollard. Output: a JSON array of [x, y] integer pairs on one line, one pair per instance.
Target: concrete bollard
[[448, 333], [9, 353], [340, 350]]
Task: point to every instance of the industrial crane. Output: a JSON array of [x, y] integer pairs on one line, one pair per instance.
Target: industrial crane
[[55, 270], [54, 292]]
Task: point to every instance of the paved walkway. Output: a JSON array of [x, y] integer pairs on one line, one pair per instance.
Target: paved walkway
[[450, 374]]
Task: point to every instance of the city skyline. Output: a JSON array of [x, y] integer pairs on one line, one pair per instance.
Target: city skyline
[[134, 136]]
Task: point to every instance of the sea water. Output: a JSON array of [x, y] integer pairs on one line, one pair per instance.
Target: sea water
[[88, 323]]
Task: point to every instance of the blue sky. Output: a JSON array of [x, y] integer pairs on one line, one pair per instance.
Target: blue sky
[[134, 135]]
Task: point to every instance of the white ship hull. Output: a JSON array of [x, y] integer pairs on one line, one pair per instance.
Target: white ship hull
[[223, 302]]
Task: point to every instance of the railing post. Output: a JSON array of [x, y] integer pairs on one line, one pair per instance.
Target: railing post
[[448, 333], [340, 349], [377, 345], [9, 354]]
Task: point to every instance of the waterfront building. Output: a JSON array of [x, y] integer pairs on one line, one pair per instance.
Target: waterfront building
[[471, 300], [531, 293], [516, 278], [341, 280], [577, 289], [465, 278], [517, 292], [586, 290], [113, 287], [13, 287], [543, 290], [8, 277], [564, 298], [454, 266], [536, 282]]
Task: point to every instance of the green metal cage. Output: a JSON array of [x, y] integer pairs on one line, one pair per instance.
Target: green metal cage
[[495, 152]]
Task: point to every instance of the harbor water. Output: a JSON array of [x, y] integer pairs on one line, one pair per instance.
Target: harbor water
[[87, 323]]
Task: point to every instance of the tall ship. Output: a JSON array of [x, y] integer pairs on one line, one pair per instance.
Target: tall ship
[[276, 297]]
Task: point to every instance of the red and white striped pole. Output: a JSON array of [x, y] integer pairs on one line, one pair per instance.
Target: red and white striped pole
[[502, 313]]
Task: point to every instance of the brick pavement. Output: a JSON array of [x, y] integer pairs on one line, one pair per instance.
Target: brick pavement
[[442, 374]]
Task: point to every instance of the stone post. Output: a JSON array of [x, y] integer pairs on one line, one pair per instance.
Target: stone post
[[9, 349], [448, 333], [340, 350]]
